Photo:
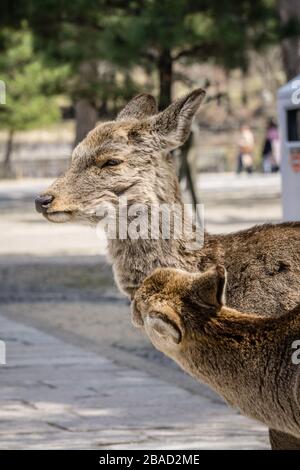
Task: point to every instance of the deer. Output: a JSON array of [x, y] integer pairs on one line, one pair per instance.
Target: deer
[[247, 358], [131, 157]]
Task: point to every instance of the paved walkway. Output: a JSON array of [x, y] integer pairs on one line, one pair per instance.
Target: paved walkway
[[57, 396]]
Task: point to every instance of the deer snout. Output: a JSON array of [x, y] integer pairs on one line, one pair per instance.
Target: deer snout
[[42, 203]]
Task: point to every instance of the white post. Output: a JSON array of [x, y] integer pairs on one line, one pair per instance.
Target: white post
[[289, 129]]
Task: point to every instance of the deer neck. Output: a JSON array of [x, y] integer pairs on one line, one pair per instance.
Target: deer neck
[[135, 259]]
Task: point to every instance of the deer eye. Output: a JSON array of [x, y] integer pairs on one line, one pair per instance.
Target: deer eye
[[112, 162]]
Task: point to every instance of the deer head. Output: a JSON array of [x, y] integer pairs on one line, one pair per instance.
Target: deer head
[[127, 157], [172, 305]]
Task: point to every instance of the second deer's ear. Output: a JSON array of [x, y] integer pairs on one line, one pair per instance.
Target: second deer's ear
[[174, 123], [209, 287], [167, 330], [141, 106]]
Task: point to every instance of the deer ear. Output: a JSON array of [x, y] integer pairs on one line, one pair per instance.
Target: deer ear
[[136, 317], [174, 123], [141, 106], [166, 329], [208, 288]]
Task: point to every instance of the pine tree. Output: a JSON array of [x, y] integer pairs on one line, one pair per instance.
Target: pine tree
[[154, 34], [29, 84]]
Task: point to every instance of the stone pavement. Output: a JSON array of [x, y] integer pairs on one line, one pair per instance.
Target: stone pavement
[[57, 396]]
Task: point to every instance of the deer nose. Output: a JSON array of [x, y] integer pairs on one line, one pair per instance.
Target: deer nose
[[42, 203]]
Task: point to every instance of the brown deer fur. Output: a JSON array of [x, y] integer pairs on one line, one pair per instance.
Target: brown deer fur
[[263, 263], [246, 358]]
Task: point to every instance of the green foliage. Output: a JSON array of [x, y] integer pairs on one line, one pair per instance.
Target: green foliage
[[204, 30], [30, 84], [122, 34]]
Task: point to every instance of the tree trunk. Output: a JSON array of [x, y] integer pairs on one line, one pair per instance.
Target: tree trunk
[[6, 166], [86, 105], [290, 47], [165, 67], [86, 116], [244, 94]]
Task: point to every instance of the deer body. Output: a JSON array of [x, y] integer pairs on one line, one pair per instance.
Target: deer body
[[232, 365], [246, 358], [263, 264], [130, 158]]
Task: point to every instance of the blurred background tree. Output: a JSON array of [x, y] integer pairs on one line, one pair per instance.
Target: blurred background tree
[[30, 86], [113, 49], [104, 40], [73, 33], [289, 11]]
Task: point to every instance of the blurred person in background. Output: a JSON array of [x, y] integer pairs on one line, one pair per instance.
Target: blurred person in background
[[271, 148], [245, 143]]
